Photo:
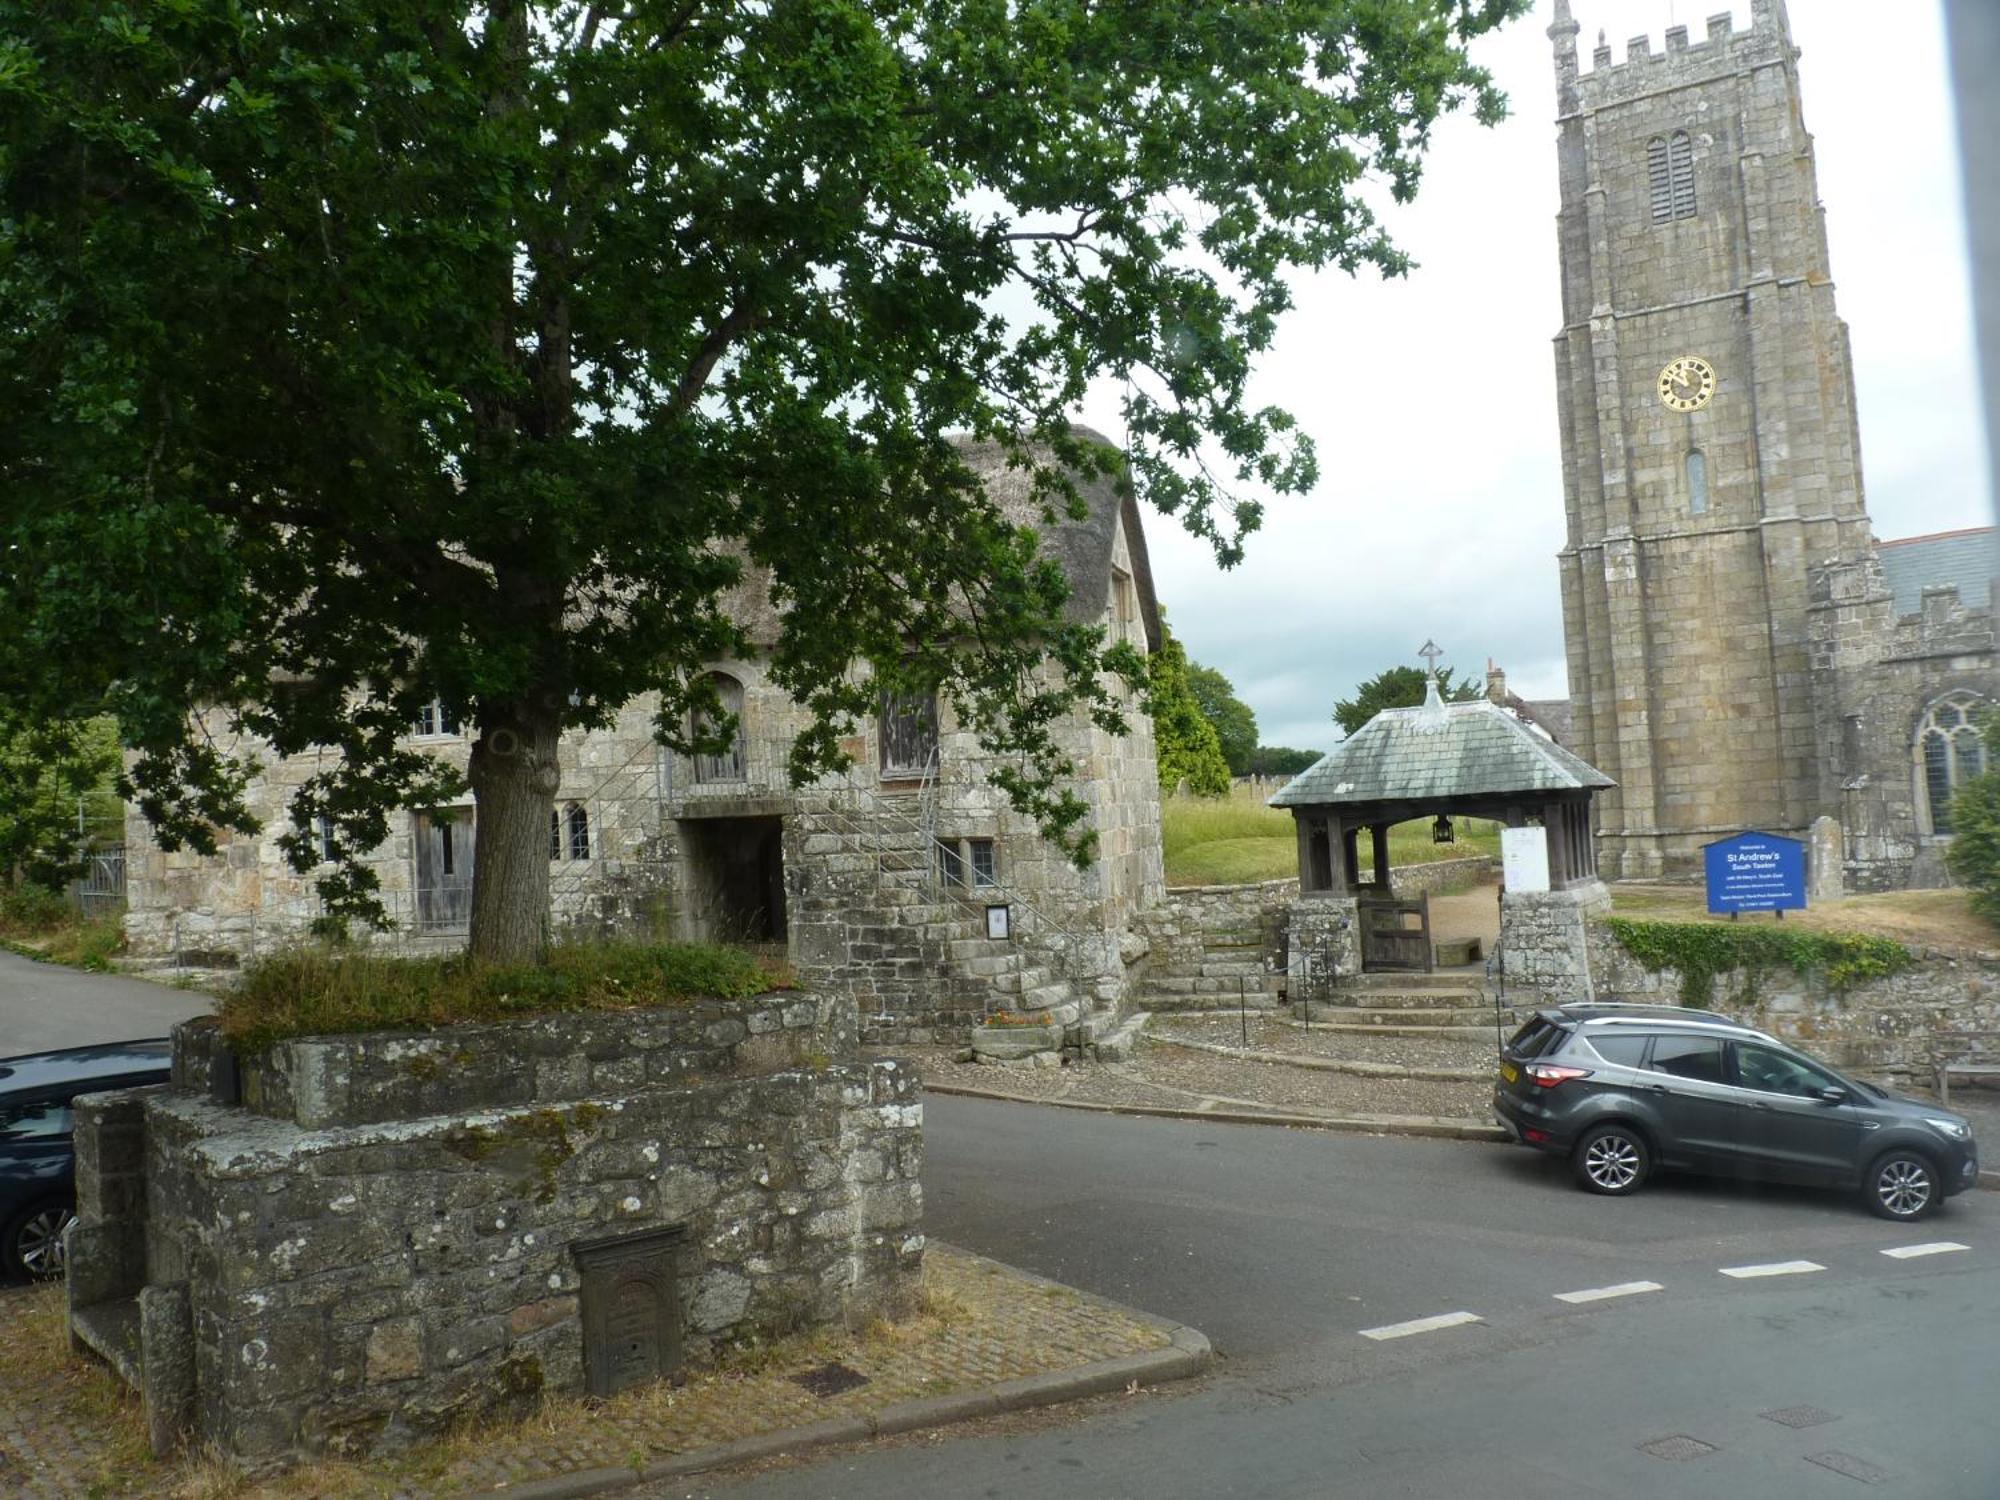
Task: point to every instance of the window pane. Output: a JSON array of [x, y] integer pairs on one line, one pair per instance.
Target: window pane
[[579, 833], [1535, 1038], [555, 834], [1688, 1057], [1774, 1072], [984, 872], [1624, 1050], [34, 1122], [1697, 472], [1937, 780], [951, 866]]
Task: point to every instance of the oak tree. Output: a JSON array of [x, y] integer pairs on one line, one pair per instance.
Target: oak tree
[[372, 352]]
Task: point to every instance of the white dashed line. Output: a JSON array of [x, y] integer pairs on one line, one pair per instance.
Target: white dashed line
[[1421, 1325], [1936, 1247], [1601, 1293], [1775, 1268]]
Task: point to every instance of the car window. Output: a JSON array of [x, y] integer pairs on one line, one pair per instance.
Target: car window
[[1623, 1048], [1688, 1057], [1775, 1072], [33, 1122], [1537, 1037]]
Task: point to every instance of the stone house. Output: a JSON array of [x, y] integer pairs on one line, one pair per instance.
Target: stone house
[[1742, 652], [908, 879]]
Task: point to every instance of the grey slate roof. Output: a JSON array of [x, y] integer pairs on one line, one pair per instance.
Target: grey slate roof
[[1967, 558], [1480, 749]]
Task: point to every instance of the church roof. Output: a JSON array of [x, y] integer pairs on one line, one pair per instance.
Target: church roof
[[1437, 751], [1966, 559]]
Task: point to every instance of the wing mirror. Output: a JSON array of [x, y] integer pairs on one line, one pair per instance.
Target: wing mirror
[[1833, 1096]]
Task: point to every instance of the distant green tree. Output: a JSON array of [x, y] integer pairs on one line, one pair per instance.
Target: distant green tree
[[1973, 856], [1235, 725], [1278, 760], [1397, 687], [56, 784], [1189, 750]]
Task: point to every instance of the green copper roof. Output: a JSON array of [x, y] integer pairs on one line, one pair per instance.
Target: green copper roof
[[1437, 751]]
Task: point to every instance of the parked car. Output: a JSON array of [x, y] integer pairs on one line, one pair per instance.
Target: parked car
[[37, 1154], [1623, 1089]]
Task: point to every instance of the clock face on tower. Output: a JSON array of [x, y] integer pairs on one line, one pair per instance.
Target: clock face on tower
[[1687, 384]]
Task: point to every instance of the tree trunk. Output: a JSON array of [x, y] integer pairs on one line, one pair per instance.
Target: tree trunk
[[514, 777]]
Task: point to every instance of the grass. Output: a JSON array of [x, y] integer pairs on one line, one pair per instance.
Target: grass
[[1237, 839], [1935, 918], [40, 923], [314, 991]]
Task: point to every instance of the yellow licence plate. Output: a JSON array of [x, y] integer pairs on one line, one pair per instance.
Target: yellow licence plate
[[1509, 1072]]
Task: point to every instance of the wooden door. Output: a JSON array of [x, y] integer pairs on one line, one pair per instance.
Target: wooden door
[[444, 871], [1395, 934]]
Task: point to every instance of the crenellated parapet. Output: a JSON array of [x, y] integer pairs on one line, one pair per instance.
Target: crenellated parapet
[[1721, 48]]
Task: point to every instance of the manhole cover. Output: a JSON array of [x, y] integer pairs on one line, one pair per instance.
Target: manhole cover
[[1800, 1416], [830, 1380], [1679, 1446], [1848, 1464]]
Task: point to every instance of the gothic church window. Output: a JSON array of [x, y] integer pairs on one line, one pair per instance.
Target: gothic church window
[[1949, 749], [577, 822], [1670, 176]]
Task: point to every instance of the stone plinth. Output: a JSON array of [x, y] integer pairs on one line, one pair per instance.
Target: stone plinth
[[397, 1236], [1543, 945], [1324, 947]]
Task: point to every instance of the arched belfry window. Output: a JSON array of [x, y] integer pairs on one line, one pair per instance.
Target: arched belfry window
[[1670, 176], [733, 763], [576, 822], [1697, 472], [1949, 749]]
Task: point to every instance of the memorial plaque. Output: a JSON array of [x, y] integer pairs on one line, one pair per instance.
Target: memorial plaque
[[631, 1308]]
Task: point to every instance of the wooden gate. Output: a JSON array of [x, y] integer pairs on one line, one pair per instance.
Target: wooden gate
[[444, 872], [1395, 934]]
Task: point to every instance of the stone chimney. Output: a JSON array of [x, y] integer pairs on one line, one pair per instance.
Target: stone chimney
[[1496, 683]]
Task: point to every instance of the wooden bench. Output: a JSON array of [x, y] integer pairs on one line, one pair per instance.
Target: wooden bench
[[1962, 1054]]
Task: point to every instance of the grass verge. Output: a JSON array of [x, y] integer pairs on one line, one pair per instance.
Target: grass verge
[[314, 991], [1237, 839]]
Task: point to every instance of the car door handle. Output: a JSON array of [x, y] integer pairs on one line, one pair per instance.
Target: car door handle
[[1656, 1088]]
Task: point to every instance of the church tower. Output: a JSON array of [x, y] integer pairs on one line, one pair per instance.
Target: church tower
[[1710, 452]]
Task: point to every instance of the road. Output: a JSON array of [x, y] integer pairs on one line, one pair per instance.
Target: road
[[44, 1006], [1285, 1247]]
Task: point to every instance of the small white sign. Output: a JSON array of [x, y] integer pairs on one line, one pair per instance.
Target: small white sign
[[1524, 858], [997, 923]]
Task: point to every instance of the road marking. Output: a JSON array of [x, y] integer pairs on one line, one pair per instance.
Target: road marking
[[1775, 1268], [1935, 1247], [1600, 1293], [1421, 1325]]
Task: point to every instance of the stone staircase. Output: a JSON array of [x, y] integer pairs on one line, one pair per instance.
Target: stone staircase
[[1445, 1006]]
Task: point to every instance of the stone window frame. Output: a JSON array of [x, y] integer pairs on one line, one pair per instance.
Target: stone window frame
[[323, 838], [1670, 176], [576, 831], [1966, 702], [968, 862], [434, 721]]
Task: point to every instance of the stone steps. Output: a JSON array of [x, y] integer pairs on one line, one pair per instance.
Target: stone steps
[[110, 1330], [1436, 1033], [1401, 1019]]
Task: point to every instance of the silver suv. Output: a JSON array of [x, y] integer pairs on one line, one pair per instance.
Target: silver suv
[[1622, 1089]]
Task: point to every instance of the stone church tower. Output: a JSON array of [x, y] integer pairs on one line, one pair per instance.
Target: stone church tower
[[1711, 461]]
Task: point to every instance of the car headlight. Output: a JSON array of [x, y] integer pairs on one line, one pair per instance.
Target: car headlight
[[1953, 1128]]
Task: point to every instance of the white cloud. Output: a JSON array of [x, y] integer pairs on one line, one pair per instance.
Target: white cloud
[[1432, 399]]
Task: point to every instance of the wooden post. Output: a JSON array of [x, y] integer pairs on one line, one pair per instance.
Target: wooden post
[[1350, 866], [1379, 832]]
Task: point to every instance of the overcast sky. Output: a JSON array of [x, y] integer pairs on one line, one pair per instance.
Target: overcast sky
[[1432, 399]]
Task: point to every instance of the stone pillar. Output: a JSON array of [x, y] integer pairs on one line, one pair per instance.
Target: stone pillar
[[1543, 953], [1324, 947], [1825, 856]]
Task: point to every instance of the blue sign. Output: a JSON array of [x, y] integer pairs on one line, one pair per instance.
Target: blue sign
[[1756, 872]]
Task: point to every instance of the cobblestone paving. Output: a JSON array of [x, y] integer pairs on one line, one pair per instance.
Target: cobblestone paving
[[1274, 1035], [68, 1431]]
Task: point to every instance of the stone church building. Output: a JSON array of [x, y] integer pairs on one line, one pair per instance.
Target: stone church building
[[1742, 652], [908, 880]]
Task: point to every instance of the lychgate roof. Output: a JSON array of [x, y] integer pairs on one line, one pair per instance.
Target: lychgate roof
[[1438, 751]]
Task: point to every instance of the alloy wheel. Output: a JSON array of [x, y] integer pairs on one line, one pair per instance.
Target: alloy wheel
[[1903, 1187], [39, 1241], [1612, 1162]]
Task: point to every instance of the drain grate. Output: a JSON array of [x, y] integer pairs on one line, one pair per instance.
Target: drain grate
[[1800, 1416], [1848, 1464], [1679, 1446], [830, 1379]]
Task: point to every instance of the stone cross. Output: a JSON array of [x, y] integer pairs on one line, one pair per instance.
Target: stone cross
[[1430, 652]]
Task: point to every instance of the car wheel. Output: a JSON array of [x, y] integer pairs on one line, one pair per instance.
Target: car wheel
[[33, 1243], [1613, 1160], [1903, 1185]]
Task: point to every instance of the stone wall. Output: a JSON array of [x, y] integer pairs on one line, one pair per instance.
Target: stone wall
[[1441, 875], [1881, 1025], [1211, 945], [1543, 943], [1324, 945], [395, 1233]]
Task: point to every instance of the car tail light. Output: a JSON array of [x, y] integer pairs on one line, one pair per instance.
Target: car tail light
[[1548, 1075]]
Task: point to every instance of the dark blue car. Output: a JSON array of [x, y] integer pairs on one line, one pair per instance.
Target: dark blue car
[[37, 1156]]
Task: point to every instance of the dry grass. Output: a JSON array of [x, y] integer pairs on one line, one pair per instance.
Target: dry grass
[[1236, 839], [1932, 919]]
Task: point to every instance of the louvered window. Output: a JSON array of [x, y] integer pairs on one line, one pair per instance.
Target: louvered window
[[1670, 176]]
